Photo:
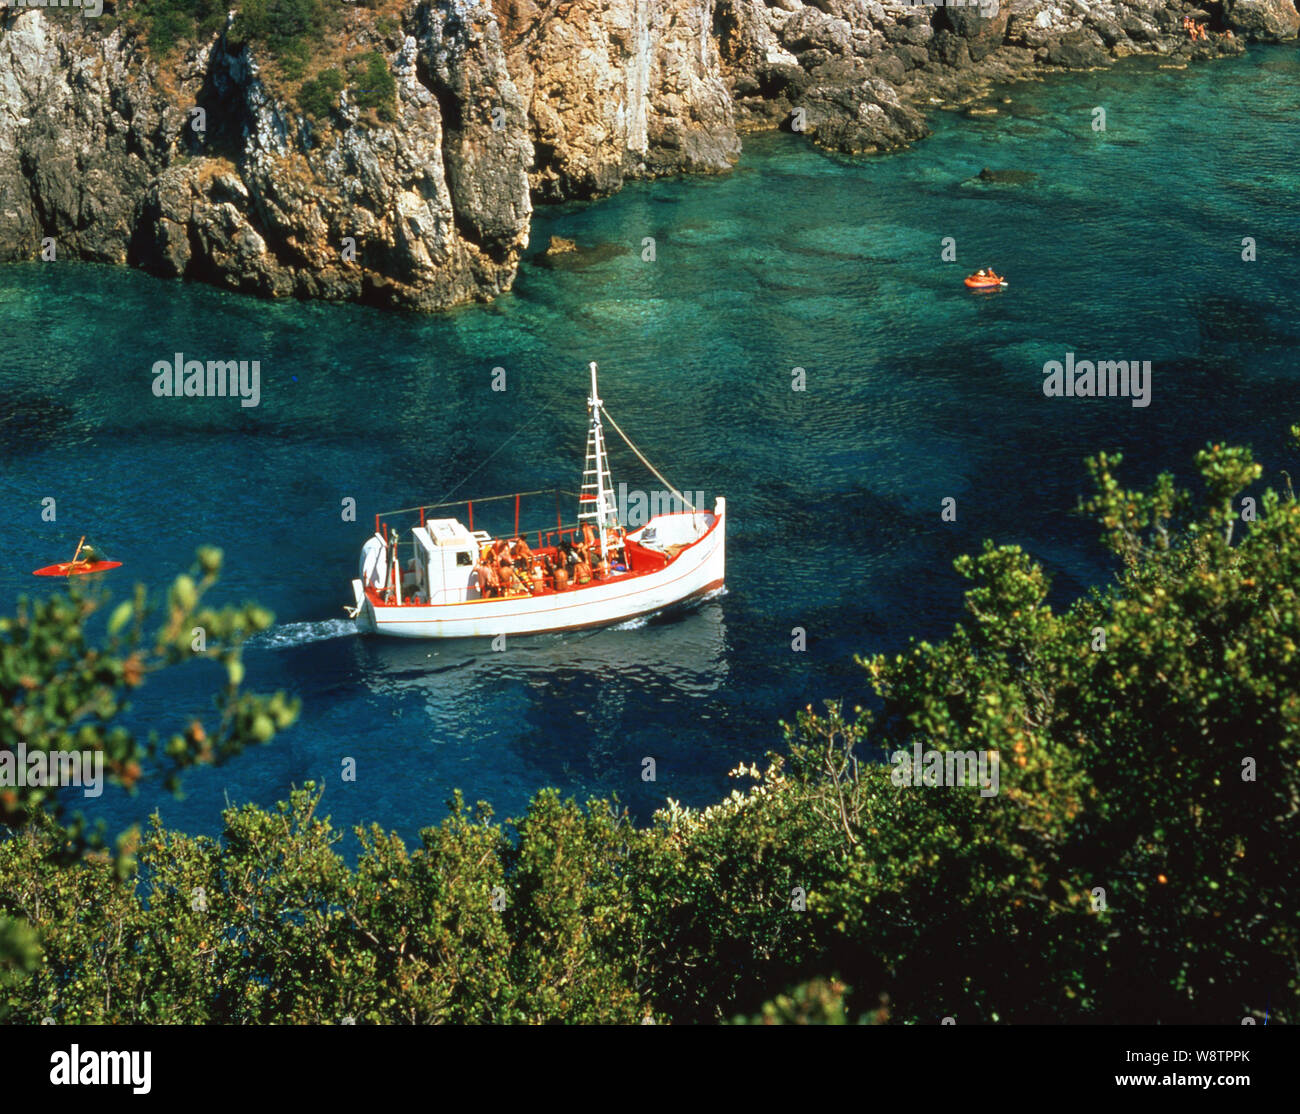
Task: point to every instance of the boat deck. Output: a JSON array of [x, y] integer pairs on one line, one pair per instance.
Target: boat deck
[[640, 561]]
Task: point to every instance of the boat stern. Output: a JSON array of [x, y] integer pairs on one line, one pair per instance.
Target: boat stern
[[362, 612]]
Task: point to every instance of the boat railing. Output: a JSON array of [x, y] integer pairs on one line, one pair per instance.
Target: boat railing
[[381, 524], [546, 536]]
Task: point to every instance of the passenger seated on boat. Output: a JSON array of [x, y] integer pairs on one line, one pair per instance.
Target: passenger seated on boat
[[575, 560], [614, 536], [507, 567], [506, 573], [580, 569], [539, 576], [489, 576], [557, 570], [521, 553]]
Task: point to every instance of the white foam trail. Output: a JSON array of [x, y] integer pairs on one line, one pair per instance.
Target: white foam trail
[[298, 634]]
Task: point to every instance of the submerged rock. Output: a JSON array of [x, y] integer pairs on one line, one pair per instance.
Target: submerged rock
[[1007, 177], [579, 259]]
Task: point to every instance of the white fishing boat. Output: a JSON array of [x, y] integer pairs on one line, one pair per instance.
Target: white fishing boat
[[444, 579]]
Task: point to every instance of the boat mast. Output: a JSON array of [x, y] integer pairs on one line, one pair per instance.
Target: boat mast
[[597, 471]]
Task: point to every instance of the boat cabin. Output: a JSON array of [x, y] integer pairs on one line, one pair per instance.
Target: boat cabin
[[446, 559]]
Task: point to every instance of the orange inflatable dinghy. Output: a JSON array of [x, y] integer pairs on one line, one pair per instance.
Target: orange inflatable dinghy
[[986, 281]]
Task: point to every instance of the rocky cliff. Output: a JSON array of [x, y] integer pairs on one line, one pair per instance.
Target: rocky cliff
[[202, 169], [201, 160]]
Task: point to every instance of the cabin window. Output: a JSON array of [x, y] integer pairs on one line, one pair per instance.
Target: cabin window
[[463, 558]]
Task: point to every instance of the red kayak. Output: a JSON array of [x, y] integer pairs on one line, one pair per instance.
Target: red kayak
[[77, 568]]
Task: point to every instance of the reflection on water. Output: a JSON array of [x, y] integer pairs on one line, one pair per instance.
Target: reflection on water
[[673, 657], [582, 708]]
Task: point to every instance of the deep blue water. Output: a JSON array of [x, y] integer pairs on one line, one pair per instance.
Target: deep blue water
[[1126, 245]]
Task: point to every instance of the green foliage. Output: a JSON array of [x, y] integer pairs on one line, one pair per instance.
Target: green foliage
[[726, 881], [570, 913], [318, 96], [169, 22], [1138, 861], [268, 924], [375, 86], [279, 23], [817, 1002], [289, 29], [64, 694], [1122, 768], [20, 955]]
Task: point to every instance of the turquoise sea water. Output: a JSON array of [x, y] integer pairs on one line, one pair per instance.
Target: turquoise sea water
[[1126, 245]]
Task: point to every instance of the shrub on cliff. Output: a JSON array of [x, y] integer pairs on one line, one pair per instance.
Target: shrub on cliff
[[375, 85], [167, 22], [319, 96], [280, 22], [290, 30]]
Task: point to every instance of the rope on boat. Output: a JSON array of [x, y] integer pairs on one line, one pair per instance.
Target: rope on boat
[[543, 410], [642, 459]]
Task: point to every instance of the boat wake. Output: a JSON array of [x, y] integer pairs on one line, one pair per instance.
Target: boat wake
[[299, 634]]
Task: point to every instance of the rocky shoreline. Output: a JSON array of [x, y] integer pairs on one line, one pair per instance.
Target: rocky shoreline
[[201, 164]]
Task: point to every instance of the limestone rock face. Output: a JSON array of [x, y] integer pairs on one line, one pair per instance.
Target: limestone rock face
[[206, 167], [74, 120], [1263, 20], [423, 211], [619, 88]]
